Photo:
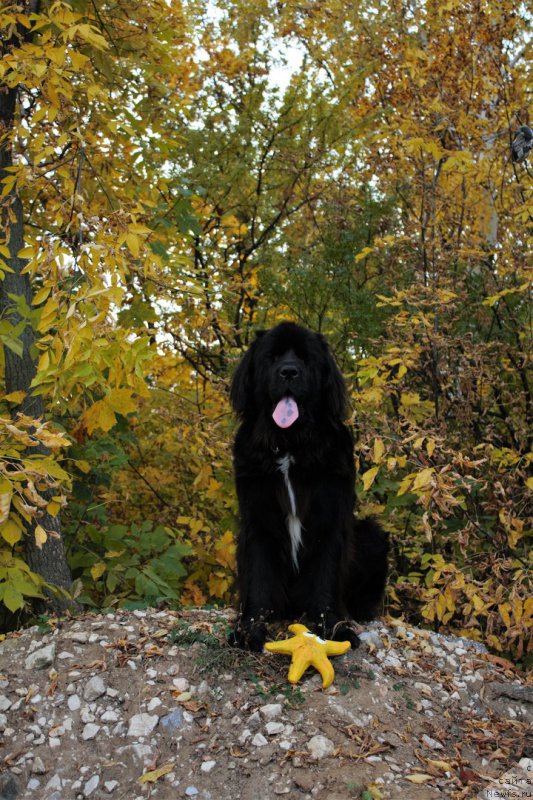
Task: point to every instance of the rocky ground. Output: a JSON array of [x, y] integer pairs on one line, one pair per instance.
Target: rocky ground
[[153, 704]]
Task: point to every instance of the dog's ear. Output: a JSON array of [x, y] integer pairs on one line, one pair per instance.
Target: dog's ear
[[335, 394], [241, 393]]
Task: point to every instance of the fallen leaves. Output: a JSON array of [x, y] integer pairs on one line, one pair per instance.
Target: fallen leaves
[[154, 775], [367, 745], [419, 777]]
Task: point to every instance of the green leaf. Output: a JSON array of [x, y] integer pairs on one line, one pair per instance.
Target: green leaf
[[13, 599]]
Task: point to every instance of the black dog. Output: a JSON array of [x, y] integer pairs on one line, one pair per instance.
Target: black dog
[[300, 554]]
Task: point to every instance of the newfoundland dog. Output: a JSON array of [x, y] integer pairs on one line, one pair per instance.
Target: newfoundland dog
[[301, 554]]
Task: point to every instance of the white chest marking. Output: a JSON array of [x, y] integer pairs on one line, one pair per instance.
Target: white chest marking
[[294, 526]]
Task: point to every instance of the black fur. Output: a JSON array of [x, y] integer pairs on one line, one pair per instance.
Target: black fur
[[342, 564]]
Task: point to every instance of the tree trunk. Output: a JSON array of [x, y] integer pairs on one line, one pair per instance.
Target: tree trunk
[[49, 561]]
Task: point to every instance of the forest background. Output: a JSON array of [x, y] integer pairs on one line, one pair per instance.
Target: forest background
[[174, 176]]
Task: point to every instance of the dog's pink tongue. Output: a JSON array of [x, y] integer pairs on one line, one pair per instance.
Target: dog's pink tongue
[[286, 412]]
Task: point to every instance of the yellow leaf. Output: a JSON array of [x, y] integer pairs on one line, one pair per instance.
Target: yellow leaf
[[441, 606], [419, 777], [97, 570], [450, 599], [529, 484], [11, 531], [99, 415], [82, 465], [443, 765], [423, 478], [15, 397], [518, 609], [225, 550], [368, 477], [41, 295], [154, 775], [78, 59], [53, 507], [120, 401], [26, 252], [6, 493], [430, 447], [364, 253], [379, 449], [405, 484], [410, 398], [477, 602], [133, 243], [504, 609], [40, 536]]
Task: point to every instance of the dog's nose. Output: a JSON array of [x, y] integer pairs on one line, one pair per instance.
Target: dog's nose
[[288, 372]]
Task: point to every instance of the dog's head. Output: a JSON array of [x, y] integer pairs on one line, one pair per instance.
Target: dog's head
[[289, 374]]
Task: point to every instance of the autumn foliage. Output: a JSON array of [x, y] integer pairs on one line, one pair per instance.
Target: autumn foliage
[[189, 172]]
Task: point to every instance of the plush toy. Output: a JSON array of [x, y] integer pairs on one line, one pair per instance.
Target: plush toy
[[306, 649]]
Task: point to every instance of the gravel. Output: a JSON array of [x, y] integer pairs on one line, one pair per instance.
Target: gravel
[[104, 700]]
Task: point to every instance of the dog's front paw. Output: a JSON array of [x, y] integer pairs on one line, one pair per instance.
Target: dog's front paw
[[327, 625], [344, 632], [249, 635]]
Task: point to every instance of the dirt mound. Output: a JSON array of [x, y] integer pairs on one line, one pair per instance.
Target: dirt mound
[[155, 704]]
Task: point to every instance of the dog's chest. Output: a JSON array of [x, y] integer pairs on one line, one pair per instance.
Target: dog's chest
[[294, 525]]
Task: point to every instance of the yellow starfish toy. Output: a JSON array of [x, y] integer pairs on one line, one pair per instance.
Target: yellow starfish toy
[[306, 649]]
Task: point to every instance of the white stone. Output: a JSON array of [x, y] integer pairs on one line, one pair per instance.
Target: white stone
[[271, 711], [259, 740], [245, 735], [254, 720], [74, 702], [109, 716], [41, 658], [86, 715], [207, 766], [431, 743], [91, 785], [38, 767], [80, 637], [142, 724], [320, 746], [94, 688], [154, 703], [110, 786], [181, 684], [5, 704], [272, 728], [54, 783], [90, 731]]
